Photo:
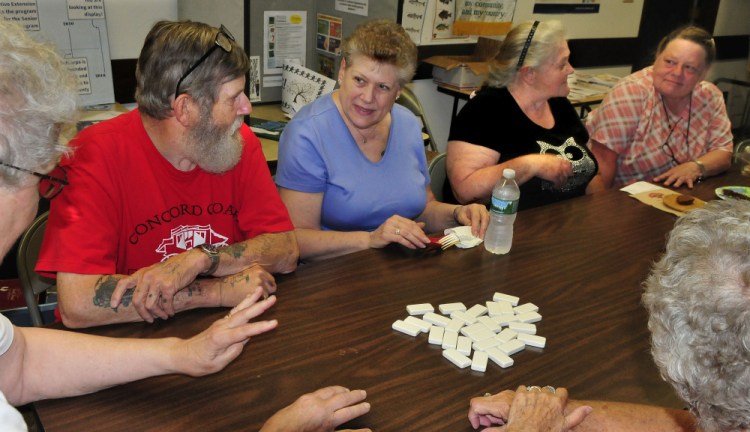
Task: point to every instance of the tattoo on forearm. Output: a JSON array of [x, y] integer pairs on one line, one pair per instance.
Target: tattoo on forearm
[[236, 250], [103, 289]]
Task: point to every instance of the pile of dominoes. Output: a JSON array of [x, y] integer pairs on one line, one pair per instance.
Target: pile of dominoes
[[495, 331]]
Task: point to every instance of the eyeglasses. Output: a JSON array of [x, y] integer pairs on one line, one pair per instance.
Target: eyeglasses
[[50, 185], [223, 40]]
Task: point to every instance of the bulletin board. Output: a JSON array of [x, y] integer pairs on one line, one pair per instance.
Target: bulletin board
[[254, 44]]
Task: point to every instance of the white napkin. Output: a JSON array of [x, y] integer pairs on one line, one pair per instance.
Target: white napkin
[[467, 239]]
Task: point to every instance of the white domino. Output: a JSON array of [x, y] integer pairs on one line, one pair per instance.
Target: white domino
[[529, 317], [479, 361], [406, 328], [455, 325], [439, 320], [436, 335], [464, 316], [423, 325], [477, 310], [477, 332], [449, 308], [500, 358], [505, 319], [419, 309], [491, 324], [533, 340], [457, 358], [506, 298], [450, 339], [526, 307], [485, 344], [511, 347], [464, 345], [499, 308], [522, 327], [506, 335]]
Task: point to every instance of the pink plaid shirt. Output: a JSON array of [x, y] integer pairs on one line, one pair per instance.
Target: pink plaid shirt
[[631, 122]]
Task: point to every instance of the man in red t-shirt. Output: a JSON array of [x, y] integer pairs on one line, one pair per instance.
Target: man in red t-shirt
[[169, 194]]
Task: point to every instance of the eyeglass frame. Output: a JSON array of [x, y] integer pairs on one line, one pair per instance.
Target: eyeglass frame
[[225, 45], [55, 180]]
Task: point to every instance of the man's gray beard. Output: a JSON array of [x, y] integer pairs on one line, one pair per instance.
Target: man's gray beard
[[213, 148]]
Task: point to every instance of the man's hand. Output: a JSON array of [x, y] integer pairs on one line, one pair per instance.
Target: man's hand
[[320, 411], [235, 287], [211, 350], [155, 286]]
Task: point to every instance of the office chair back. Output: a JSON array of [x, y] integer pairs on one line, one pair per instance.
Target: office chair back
[[409, 100], [438, 175], [34, 285]]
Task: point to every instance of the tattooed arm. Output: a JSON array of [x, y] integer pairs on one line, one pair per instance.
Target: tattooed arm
[[84, 300]]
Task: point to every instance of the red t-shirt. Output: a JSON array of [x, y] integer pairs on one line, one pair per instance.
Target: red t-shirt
[[127, 207]]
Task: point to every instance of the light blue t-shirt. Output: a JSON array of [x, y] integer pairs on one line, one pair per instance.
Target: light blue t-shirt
[[317, 153]]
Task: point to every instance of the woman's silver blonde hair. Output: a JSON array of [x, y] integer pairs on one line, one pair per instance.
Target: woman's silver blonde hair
[[546, 40], [698, 298]]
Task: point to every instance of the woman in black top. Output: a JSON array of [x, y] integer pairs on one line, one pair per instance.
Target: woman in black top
[[523, 120]]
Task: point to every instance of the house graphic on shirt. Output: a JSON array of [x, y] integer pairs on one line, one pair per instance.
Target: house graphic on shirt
[[186, 237]]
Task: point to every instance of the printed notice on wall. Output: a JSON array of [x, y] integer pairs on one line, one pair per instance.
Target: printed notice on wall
[[79, 30], [284, 37], [357, 7], [483, 17]]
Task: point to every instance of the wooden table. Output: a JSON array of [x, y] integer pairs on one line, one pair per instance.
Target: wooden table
[[581, 261]]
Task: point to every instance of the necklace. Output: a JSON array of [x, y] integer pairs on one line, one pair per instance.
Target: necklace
[[666, 147]]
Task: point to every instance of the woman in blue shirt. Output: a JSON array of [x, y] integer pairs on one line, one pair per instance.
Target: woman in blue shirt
[[352, 168]]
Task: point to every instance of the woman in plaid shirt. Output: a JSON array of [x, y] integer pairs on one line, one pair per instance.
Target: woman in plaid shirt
[[664, 123]]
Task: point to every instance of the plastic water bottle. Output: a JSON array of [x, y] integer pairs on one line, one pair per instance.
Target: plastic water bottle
[[505, 195]]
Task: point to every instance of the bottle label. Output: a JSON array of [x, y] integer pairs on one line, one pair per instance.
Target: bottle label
[[504, 206]]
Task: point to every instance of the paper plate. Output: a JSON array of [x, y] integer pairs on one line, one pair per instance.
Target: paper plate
[[742, 190]]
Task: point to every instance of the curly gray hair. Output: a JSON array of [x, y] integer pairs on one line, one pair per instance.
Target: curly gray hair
[[546, 39], [698, 298], [37, 97]]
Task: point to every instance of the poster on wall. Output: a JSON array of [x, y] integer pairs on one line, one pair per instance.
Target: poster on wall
[[253, 82], [284, 36], [78, 28], [412, 18], [326, 65], [442, 27], [302, 86], [566, 7], [483, 18], [328, 37]]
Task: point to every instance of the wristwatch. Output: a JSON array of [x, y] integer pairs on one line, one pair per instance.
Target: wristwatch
[[702, 168], [212, 251]]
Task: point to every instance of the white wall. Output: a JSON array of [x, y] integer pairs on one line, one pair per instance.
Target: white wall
[[616, 19], [128, 23]]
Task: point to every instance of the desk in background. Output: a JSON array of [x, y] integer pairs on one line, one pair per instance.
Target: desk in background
[[587, 92], [271, 112], [581, 261]]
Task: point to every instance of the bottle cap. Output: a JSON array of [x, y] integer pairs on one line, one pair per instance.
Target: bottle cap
[[509, 173]]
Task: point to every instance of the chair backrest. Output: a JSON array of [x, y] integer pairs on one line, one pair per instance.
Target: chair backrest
[[32, 283], [438, 175], [409, 100]]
